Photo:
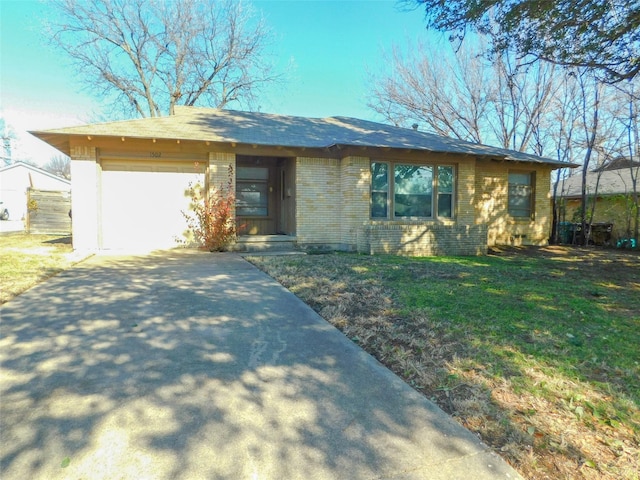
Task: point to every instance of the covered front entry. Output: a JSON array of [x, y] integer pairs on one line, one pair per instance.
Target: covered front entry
[[265, 195], [143, 201]]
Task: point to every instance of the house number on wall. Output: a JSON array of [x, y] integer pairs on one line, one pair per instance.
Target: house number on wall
[[155, 154]]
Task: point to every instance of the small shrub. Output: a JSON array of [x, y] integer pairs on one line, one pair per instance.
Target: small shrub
[[212, 219]]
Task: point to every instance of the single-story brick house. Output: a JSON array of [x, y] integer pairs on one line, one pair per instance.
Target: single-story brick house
[[336, 182]]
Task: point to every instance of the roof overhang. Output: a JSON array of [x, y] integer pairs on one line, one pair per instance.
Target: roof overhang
[[58, 141], [249, 133]]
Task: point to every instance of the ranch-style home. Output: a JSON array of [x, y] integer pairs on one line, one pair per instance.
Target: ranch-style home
[[339, 183]]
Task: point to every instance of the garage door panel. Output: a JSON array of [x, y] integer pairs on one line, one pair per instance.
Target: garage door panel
[[142, 205]]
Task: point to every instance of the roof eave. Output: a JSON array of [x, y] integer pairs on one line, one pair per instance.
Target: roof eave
[[62, 142], [58, 141], [496, 157]]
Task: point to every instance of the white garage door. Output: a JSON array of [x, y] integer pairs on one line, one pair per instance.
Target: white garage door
[[142, 203]]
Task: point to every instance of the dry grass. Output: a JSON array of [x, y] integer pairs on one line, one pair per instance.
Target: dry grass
[[536, 350], [26, 260]]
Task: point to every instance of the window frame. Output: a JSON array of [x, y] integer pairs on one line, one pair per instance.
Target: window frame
[[262, 182], [435, 193], [531, 187], [378, 192], [399, 190], [438, 193]]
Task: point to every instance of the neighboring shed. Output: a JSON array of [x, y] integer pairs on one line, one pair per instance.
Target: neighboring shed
[[16, 178], [336, 182], [611, 187]]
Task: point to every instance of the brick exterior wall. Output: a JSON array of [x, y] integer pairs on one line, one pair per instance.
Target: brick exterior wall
[[355, 179], [492, 193], [420, 239], [333, 211], [218, 168], [466, 192], [333, 198], [318, 202], [332, 206]]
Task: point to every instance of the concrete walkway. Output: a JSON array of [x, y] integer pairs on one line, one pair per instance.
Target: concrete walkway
[[189, 365]]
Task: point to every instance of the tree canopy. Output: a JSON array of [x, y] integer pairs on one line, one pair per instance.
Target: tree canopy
[[147, 56], [599, 34]]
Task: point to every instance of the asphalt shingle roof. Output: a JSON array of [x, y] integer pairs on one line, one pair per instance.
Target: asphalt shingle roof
[[228, 126], [611, 182]]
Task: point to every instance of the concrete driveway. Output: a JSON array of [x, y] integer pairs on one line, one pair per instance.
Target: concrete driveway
[[189, 365]]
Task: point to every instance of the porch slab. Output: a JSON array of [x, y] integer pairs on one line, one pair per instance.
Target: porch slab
[[265, 243]]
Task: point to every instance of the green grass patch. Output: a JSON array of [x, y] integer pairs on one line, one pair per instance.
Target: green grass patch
[[516, 311], [536, 351]]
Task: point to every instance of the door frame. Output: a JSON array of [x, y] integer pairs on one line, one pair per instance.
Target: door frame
[[280, 203]]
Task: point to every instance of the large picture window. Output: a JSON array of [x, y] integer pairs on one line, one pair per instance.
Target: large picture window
[[413, 191], [521, 187]]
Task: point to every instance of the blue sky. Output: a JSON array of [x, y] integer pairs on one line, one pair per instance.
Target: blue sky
[[331, 45]]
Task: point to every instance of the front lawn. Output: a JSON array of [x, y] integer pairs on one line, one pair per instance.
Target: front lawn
[[536, 350], [26, 260]]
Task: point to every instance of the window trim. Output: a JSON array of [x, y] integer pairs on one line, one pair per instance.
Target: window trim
[[435, 194]]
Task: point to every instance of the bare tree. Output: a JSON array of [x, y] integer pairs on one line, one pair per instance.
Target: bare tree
[[522, 104], [150, 55], [591, 125], [8, 136], [589, 105], [564, 116], [464, 95], [59, 165], [629, 93], [449, 94], [602, 109]]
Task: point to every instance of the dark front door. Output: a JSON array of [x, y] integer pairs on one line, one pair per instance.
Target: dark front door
[[256, 194]]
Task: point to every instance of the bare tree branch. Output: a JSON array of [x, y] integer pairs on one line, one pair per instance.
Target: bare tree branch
[[147, 56], [59, 165], [450, 96], [465, 96]]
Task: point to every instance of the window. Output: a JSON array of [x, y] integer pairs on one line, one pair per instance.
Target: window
[[252, 197], [414, 191], [379, 190], [521, 194], [445, 191]]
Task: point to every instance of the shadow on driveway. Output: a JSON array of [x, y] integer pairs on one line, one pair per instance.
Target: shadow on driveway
[[185, 364]]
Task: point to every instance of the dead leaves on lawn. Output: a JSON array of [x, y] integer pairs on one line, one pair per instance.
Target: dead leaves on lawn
[[559, 431]]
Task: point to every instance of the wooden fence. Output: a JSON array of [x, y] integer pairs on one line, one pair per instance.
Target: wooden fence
[[48, 212]]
